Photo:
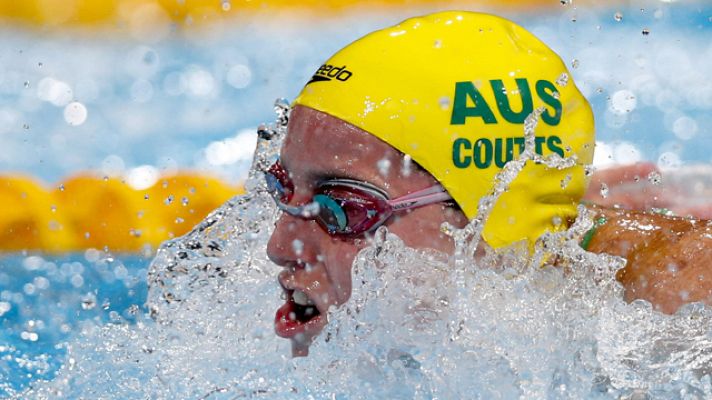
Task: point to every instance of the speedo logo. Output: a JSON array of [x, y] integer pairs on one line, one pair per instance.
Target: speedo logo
[[328, 72]]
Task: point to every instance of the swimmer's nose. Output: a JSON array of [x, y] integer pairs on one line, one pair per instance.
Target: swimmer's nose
[[290, 240]]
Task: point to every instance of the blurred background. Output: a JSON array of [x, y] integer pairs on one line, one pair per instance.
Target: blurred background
[[124, 122]]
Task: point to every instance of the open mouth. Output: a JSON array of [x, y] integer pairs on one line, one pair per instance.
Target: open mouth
[[299, 314]]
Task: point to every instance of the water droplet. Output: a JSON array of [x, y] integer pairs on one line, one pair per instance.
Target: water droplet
[[655, 178], [604, 190], [588, 170], [438, 44], [618, 16], [61, 187], [39, 64], [25, 126], [384, 166], [407, 167], [565, 182], [146, 196], [297, 246], [575, 63], [88, 301], [53, 208], [132, 310], [27, 84], [563, 79], [646, 31], [184, 201], [444, 103], [226, 5], [168, 200]]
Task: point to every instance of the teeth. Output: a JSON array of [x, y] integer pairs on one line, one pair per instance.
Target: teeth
[[301, 298]]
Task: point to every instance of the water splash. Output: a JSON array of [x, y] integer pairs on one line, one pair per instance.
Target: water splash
[[419, 324]]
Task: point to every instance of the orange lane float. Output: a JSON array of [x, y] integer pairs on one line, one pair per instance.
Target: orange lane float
[[28, 218], [127, 13], [86, 211]]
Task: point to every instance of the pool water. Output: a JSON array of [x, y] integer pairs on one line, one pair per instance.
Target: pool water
[[45, 300]]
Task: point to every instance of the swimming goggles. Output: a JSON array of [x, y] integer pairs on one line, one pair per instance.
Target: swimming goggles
[[346, 207]]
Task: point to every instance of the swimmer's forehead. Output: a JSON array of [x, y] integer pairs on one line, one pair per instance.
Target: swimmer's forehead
[[320, 146]]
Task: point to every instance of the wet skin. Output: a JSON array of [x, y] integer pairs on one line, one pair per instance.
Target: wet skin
[[319, 147], [669, 260]]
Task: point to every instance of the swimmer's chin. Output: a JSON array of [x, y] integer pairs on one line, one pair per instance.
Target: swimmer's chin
[[300, 334], [303, 340]]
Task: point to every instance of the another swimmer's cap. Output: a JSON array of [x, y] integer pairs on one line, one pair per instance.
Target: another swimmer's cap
[[452, 90]]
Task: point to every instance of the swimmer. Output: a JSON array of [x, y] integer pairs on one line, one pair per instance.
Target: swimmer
[[407, 127]]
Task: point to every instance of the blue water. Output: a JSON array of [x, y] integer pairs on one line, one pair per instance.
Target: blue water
[[46, 299]]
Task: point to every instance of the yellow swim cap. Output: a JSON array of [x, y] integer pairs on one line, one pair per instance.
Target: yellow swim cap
[[452, 90]]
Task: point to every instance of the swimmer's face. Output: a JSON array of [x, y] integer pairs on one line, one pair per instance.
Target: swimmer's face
[[317, 266]]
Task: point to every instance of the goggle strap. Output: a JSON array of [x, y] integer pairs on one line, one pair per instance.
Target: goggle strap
[[433, 194], [423, 192]]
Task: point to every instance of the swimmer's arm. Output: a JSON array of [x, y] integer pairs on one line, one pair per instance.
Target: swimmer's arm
[[669, 258]]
